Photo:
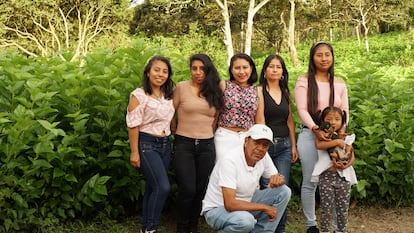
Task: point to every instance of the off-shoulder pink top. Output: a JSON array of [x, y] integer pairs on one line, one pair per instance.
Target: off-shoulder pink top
[[153, 116], [301, 92]]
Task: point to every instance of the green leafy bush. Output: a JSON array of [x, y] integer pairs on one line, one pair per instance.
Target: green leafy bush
[[382, 113], [64, 147], [64, 150]]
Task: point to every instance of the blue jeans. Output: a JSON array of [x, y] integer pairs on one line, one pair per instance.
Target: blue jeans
[[155, 155], [193, 161], [254, 221], [308, 157], [281, 154]]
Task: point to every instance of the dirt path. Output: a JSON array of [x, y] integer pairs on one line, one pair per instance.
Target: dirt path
[[361, 220], [381, 220]]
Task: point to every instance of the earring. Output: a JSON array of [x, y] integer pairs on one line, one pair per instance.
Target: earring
[[281, 78]]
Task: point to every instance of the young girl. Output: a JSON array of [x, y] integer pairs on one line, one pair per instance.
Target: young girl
[[335, 177]]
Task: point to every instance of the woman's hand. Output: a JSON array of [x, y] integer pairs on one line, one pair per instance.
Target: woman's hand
[[321, 135], [295, 155], [135, 160]]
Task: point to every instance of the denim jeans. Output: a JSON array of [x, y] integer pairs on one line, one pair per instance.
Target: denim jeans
[[254, 221], [193, 160], [308, 157], [155, 155], [281, 153]]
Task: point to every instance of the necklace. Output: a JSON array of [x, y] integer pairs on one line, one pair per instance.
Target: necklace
[[158, 97]]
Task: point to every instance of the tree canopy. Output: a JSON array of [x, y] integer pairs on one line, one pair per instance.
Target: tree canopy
[[43, 27]]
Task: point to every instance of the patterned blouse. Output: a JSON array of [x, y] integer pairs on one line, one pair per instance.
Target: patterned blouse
[[240, 106], [151, 115]]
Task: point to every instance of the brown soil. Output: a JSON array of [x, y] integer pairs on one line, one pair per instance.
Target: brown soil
[[361, 220], [367, 220], [384, 220]]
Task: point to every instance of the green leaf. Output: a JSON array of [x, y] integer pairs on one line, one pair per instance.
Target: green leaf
[[4, 120], [102, 180], [101, 189], [67, 197], [41, 163], [115, 154], [57, 172], [19, 200], [52, 127], [71, 178]]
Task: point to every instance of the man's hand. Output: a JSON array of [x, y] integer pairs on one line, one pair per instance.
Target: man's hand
[[271, 212], [276, 180]]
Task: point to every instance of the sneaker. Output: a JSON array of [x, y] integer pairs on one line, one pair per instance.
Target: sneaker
[[312, 229]]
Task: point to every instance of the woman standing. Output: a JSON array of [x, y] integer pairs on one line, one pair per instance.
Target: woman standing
[[148, 118], [314, 91], [278, 115], [243, 105], [197, 102]]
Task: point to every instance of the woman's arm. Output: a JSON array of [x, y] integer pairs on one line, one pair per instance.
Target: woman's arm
[[222, 85], [176, 103], [259, 117], [215, 122], [133, 134], [301, 99], [292, 135]]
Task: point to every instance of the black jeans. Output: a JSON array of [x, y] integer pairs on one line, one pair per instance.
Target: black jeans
[[193, 160]]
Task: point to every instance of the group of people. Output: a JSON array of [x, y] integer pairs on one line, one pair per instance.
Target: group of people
[[234, 143]]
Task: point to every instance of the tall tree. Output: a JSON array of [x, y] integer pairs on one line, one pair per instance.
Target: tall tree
[[367, 14], [226, 28], [43, 27], [249, 30], [291, 35]]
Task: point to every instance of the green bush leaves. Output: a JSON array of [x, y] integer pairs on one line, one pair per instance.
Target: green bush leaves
[[64, 151], [64, 146]]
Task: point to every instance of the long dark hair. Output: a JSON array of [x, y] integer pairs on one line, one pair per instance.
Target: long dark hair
[[253, 77], [313, 91], [332, 109], [210, 87], [283, 83], [167, 87]]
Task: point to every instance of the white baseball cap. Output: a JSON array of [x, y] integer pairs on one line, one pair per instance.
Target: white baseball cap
[[260, 131]]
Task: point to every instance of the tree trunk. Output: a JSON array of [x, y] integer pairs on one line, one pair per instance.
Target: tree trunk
[[226, 29], [291, 35], [357, 34], [249, 30], [366, 29]]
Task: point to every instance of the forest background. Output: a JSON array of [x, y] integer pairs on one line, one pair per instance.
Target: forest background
[[67, 68]]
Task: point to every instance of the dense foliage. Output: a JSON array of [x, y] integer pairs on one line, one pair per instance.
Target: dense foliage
[[64, 147]]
